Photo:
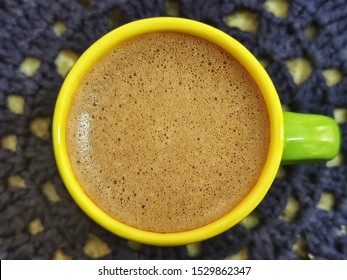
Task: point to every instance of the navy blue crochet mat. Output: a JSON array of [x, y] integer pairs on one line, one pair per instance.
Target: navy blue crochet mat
[[303, 46]]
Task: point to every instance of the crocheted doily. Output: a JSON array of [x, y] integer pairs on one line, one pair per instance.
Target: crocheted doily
[[303, 46]]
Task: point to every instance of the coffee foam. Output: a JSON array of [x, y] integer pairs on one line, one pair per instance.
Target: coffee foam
[[167, 132]]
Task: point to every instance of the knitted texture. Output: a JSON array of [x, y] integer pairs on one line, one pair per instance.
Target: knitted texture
[[303, 216]]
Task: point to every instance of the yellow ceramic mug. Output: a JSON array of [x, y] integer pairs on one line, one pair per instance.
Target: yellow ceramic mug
[[318, 135]]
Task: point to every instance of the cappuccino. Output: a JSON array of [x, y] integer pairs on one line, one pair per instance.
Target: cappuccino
[[167, 132]]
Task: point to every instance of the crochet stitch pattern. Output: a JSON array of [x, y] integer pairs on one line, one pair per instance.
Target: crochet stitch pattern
[[303, 47]]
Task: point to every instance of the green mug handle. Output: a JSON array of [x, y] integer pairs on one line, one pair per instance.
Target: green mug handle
[[309, 138]]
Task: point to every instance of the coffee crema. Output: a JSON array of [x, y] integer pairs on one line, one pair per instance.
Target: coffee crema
[[167, 132]]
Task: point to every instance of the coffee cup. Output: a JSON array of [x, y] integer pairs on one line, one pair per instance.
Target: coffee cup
[[293, 137]]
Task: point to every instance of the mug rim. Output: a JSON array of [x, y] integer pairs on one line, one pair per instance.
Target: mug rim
[[215, 36]]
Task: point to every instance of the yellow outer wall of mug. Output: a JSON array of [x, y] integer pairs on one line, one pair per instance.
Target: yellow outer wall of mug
[[129, 31]]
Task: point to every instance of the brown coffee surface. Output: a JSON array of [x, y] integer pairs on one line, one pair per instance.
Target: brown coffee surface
[[167, 132]]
